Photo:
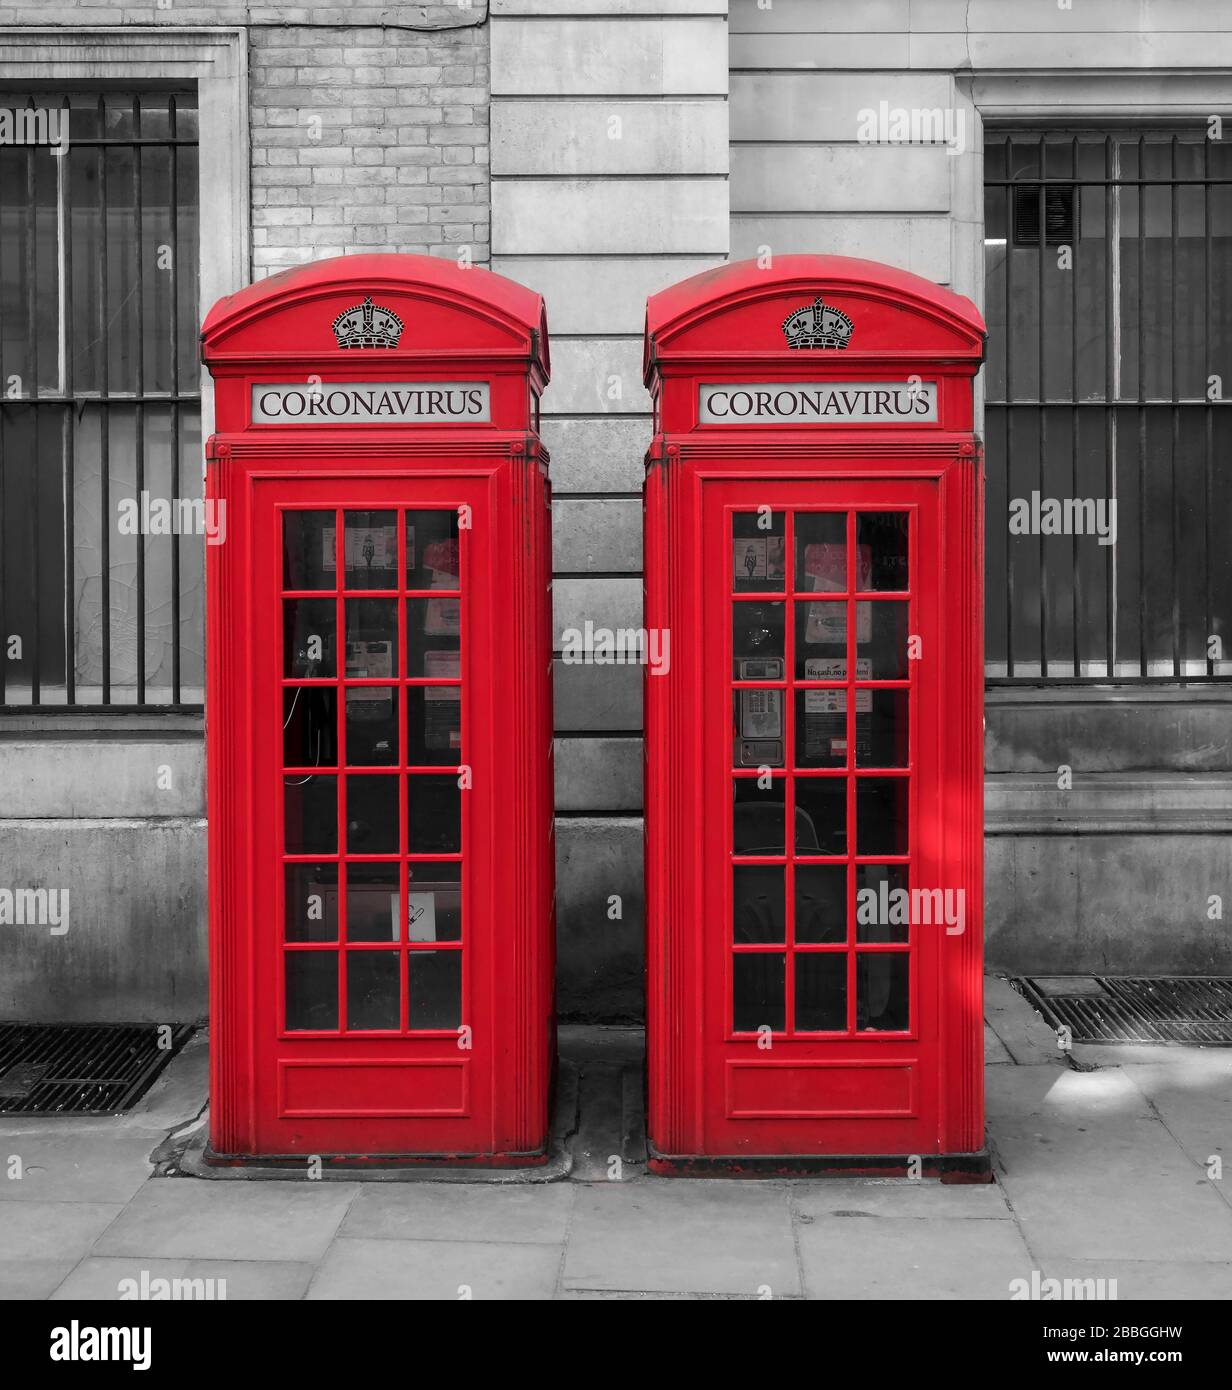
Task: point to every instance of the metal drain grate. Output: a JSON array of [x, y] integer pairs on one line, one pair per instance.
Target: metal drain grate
[[82, 1068], [1118, 1009]]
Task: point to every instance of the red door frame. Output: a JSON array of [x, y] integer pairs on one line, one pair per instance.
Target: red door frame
[[384, 1096], [725, 326]]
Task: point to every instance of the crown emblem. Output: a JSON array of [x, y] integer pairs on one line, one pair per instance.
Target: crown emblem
[[367, 325], [817, 325]]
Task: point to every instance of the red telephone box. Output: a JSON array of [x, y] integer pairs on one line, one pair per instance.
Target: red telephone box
[[814, 749], [379, 716]]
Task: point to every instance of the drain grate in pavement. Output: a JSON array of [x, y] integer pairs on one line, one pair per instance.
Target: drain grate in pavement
[[82, 1068], [1124, 1009]]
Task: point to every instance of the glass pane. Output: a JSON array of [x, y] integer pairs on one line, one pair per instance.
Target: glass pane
[[758, 904], [312, 902], [757, 641], [371, 540], [372, 815], [821, 815], [883, 908], [433, 628], [434, 815], [434, 979], [312, 989], [308, 557], [821, 903], [432, 550], [759, 816], [759, 997], [371, 638], [881, 635], [821, 727], [371, 725], [758, 551], [881, 815], [821, 640], [882, 728], [309, 635], [434, 902], [758, 717], [821, 991], [372, 898], [883, 537], [434, 725], [309, 726], [882, 991], [311, 814], [372, 990], [821, 552]]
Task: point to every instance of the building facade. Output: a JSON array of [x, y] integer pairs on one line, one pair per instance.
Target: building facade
[[1065, 166]]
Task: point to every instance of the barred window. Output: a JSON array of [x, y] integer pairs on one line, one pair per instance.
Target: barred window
[[101, 550], [1108, 430]]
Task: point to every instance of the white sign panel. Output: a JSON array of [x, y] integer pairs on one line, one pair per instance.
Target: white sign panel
[[818, 403], [371, 402]]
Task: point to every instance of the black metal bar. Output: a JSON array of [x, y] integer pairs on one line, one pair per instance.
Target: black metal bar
[[1112, 309], [1043, 414], [1076, 585], [1009, 396], [1175, 238], [1100, 183], [1208, 414], [4, 633], [174, 200], [128, 398], [1143, 660], [35, 473], [69, 441], [139, 413], [104, 420]]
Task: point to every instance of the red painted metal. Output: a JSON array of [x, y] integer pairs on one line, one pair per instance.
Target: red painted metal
[[835, 1084], [455, 1059]]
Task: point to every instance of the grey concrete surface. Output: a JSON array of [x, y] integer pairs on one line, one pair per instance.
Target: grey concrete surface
[[1109, 1169]]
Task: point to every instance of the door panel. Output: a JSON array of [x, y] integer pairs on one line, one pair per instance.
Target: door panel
[[373, 774], [820, 982]]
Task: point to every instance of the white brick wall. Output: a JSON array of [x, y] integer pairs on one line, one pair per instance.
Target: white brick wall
[[370, 138], [369, 123]]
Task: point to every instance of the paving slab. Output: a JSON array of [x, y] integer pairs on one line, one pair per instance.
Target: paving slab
[[53, 1230], [434, 1211], [32, 1279], [100, 1161], [1021, 1095], [434, 1269], [109, 1278], [679, 1235], [1112, 1188], [905, 1258], [181, 1218], [1149, 1279], [181, 1090], [996, 1054], [903, 1197], [1191, 1091], [1025, 1035]]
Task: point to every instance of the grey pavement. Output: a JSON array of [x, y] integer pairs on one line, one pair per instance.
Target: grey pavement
[[1107, 1169]]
